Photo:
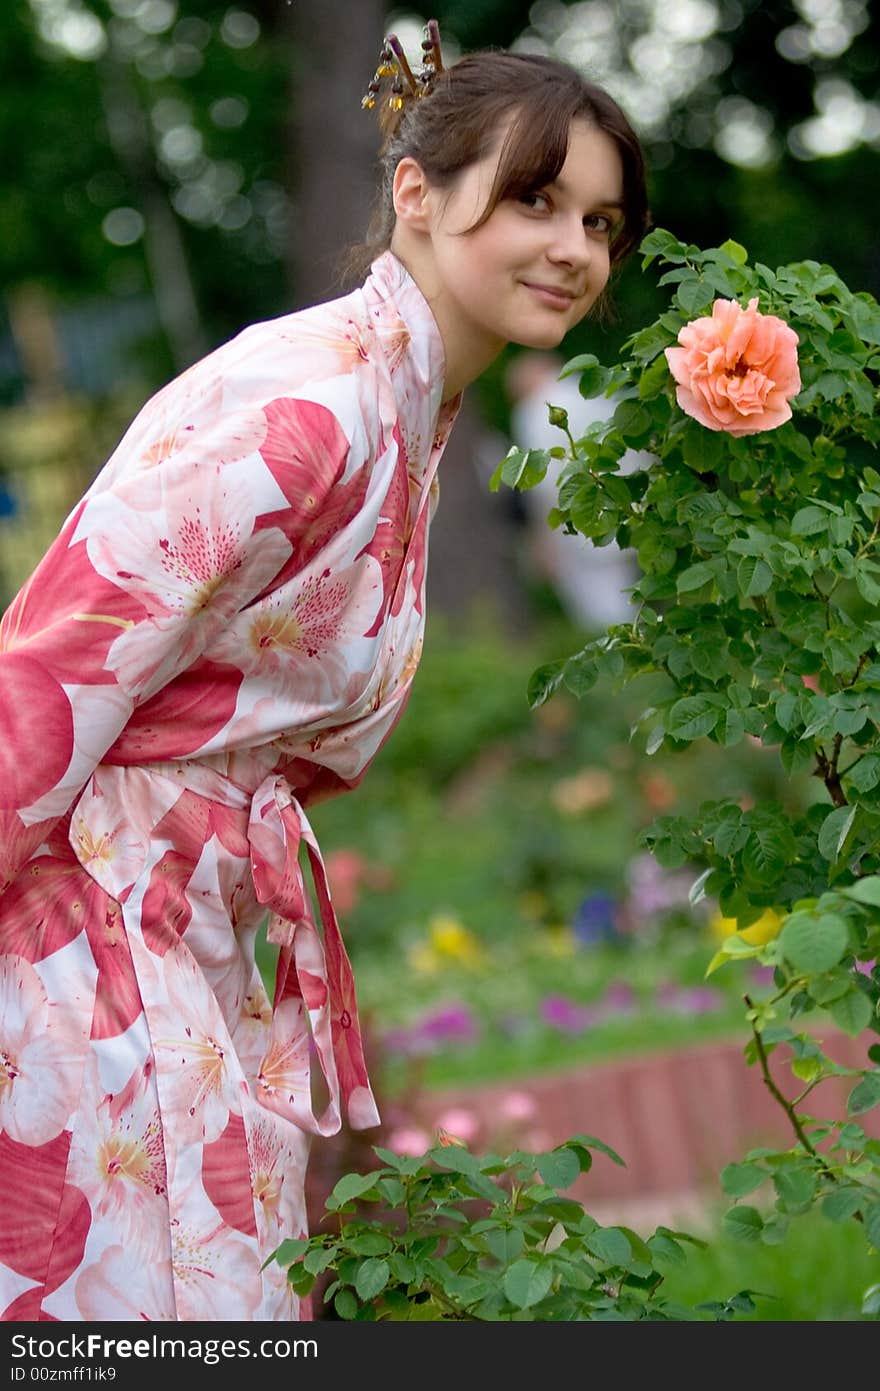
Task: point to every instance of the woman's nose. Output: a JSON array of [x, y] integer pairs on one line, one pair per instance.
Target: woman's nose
[[570, 243]]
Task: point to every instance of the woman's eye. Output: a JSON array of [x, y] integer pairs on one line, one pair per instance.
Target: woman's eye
[[598, 222], [534, 200]]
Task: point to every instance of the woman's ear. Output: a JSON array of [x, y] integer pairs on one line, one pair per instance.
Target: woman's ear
[[410, 192]]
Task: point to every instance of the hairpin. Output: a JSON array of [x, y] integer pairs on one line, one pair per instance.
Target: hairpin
[[404, 83]]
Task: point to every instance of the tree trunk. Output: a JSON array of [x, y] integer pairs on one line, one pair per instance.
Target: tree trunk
[[333, 143], [475, 542], [333, 177]]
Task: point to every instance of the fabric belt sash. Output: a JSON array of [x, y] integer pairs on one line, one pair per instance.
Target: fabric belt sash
[[314, 979]]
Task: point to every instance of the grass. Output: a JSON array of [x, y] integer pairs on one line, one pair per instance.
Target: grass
[[819, 1273]]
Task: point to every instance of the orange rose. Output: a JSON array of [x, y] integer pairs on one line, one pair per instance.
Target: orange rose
[[736, 371]]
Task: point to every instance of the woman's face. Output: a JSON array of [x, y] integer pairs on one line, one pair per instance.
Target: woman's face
[[538, 264]]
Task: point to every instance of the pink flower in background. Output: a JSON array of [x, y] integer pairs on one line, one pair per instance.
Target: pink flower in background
[[517, 1106], [736, 370], [460, 1122], [410, 1140], [567, 1015]]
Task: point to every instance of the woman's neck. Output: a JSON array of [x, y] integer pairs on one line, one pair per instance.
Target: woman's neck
[[466, 354]]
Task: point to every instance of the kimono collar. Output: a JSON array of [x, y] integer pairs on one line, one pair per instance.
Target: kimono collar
[[410, 340]]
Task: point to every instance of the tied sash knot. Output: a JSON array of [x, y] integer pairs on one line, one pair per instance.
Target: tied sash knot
[[314, 983]]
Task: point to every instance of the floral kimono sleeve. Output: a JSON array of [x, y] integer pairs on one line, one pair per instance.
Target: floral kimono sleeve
[[186, 526]]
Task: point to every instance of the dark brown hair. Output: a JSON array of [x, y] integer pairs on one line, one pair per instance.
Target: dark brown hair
[[456, 123]]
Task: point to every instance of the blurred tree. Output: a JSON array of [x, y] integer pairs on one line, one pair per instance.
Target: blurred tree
[[333, 146], [757, 118]]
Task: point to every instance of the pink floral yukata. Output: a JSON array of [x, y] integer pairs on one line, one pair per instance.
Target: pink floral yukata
[[226, 628]]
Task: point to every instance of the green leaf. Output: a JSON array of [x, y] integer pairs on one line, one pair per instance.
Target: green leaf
[[593, 376], [808, 521], [871, 1301], [291, 1250], [743, 1223], [666, 1251], [520, 468], [659, 242], [609, 1245], [694, 296], [865, 775], [835, 829], [526, 1283], [345, 1304], [733, 728], [865, 890], [753, 576], [545, 681], [505, 1243], [842, 1203], [692, 717], [350, 1186], [735, 251], [587, 1142], [871, 1216], [814, 944], [630, 419], [653, 378], [392, 1190], [318, 1259], [372, 1278], [559, 1169], [867, 585], [795, 1187], [370, 1243], [694, 577], [852, 1012], [865, 1096], [739, 1179], [702, 449]]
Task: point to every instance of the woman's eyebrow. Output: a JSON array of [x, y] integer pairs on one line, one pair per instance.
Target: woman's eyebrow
[[563, 187]]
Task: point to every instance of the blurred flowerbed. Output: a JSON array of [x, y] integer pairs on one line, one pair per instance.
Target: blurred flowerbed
[[500, 915]]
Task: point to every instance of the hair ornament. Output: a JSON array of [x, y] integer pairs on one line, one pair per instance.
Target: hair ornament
[[405, 85]]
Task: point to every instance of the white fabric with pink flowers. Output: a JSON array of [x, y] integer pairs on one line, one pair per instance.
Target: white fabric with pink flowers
[[225, 630]]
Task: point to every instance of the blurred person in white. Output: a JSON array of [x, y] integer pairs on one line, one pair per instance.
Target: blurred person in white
[[591, 582]]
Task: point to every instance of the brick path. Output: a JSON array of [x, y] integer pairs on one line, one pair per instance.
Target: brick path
[[676, 1117]]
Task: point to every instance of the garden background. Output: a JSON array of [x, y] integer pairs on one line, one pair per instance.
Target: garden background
[[173, 171]]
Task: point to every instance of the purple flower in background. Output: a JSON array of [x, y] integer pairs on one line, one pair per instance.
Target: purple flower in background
[[450, 1024], [699, 999], [595, 919], [566, 1015], [762, 975], [398, 1040], [619, 998], [653, 889]]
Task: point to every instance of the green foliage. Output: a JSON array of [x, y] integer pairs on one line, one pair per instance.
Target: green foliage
[[759, 559], [822, 1271], [465, 1237]]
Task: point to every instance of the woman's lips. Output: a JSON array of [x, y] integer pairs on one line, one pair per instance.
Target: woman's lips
[[556, 299]]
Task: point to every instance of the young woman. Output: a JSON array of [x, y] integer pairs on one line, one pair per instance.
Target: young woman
[[225, 631]]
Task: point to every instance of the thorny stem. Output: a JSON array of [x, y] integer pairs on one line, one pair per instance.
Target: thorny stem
[[827, 770], [787, 1106]]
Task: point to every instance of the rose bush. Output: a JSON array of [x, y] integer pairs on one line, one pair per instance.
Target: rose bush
[[757, 530]]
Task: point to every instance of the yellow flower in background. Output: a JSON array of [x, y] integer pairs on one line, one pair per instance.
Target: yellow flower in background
[[558, 939], [756, 934], [423, 959], [451, 940]]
